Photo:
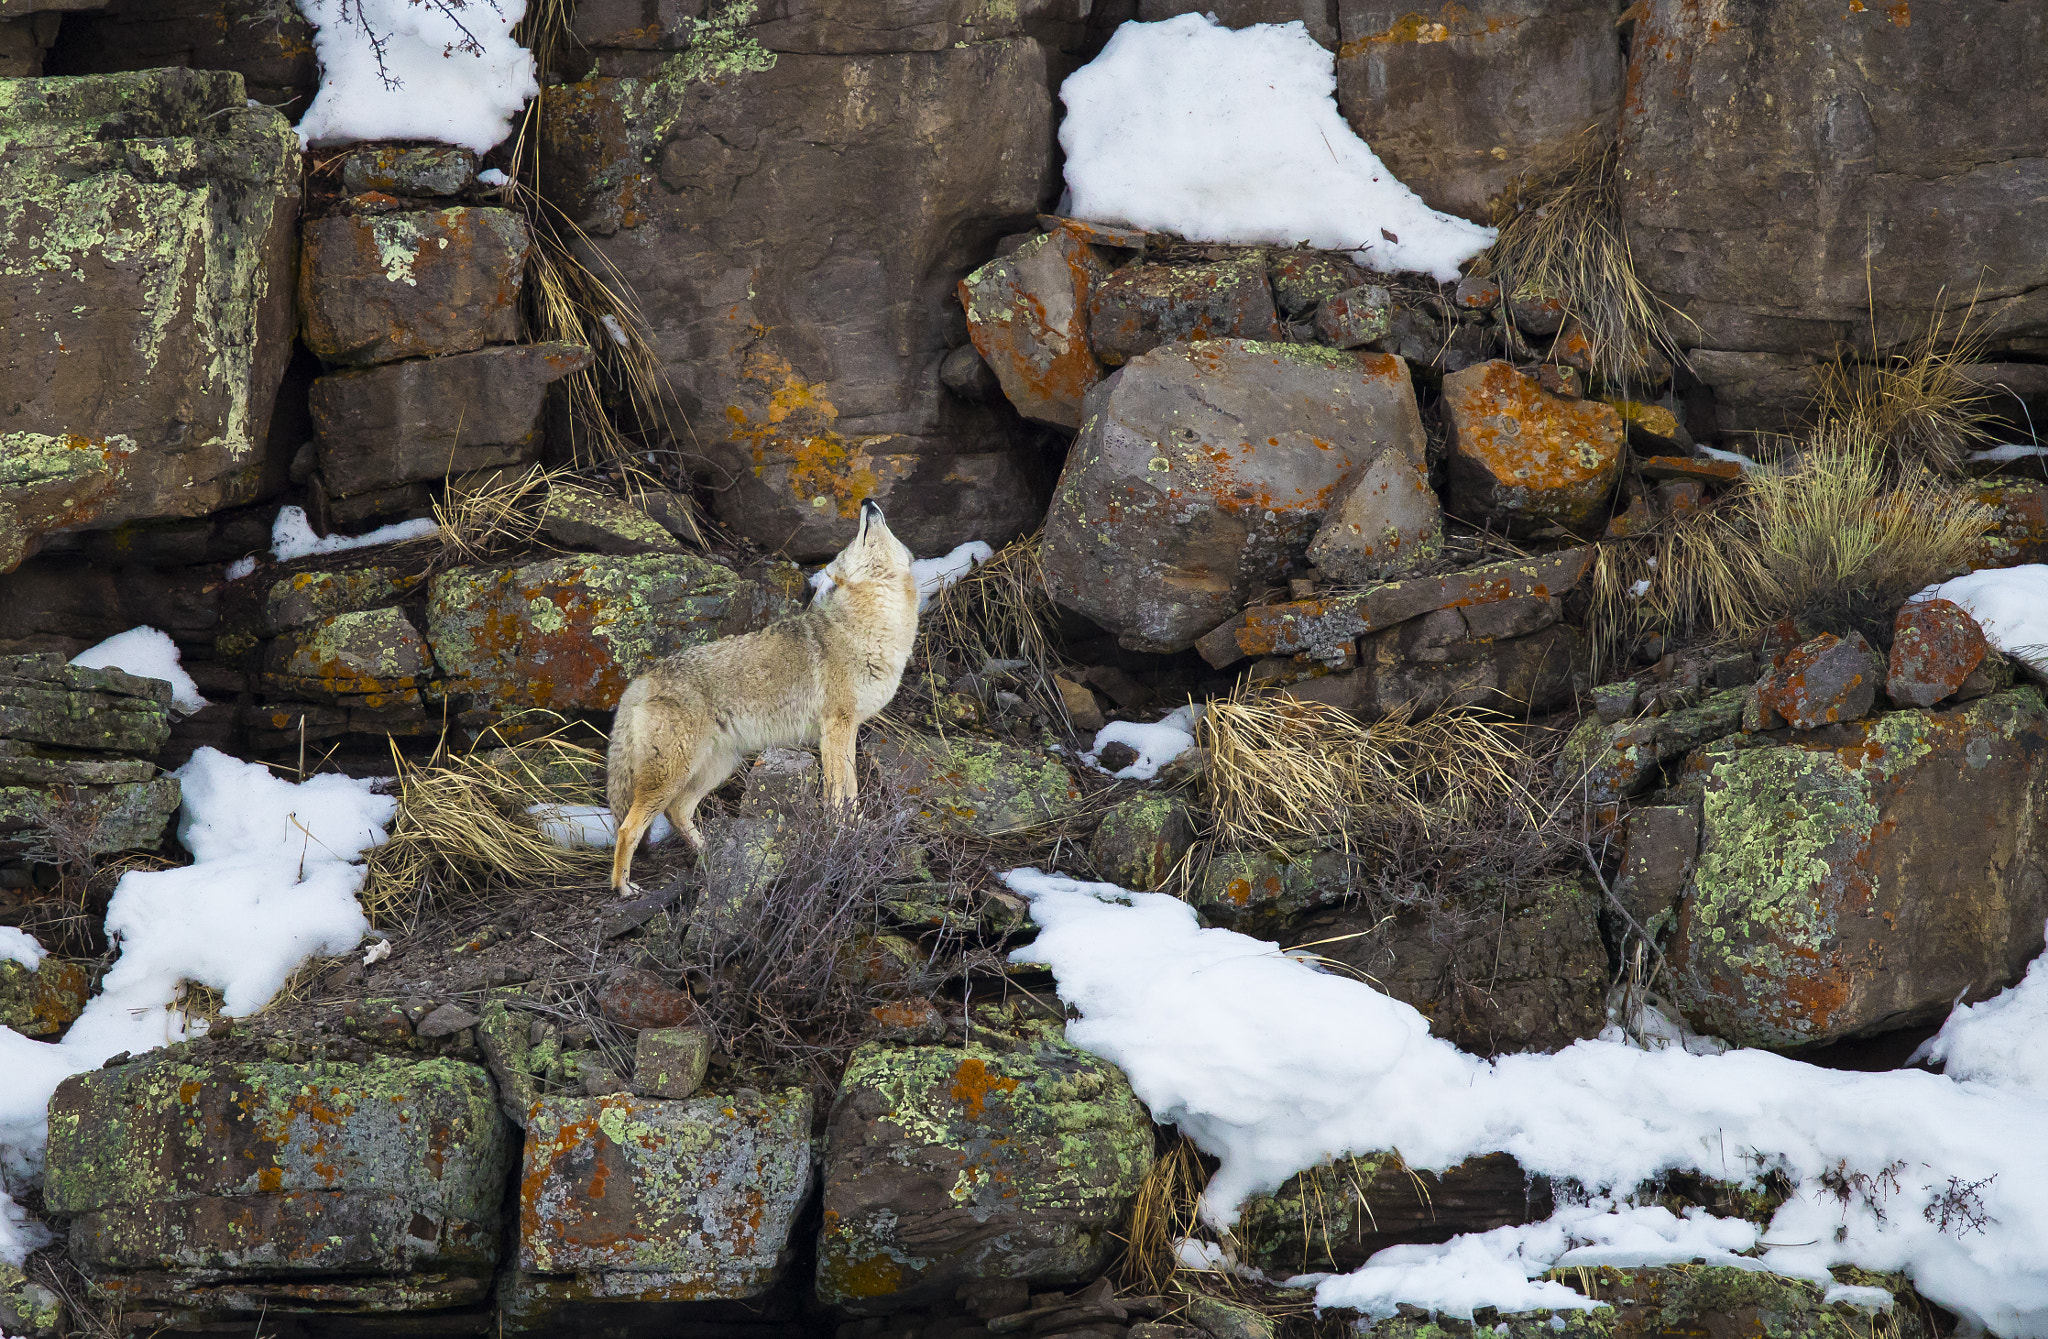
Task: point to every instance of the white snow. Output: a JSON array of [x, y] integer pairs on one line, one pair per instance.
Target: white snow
[[589, 825], [20, 946], [241, 567], [450, 71], [1715, 453], [1218, 135], [147, 654], [933, 574], [291, 536], [491, 176], [2009, 603], [1156, 744], [2003, 1042], [2011, 451], [1273, 1066], [273, 882]]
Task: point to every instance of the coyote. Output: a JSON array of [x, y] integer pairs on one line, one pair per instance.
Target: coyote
[[808, 680]]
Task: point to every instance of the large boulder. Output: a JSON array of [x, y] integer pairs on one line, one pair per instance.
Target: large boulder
[[983, 786], [1459, 99], [1862, 877], [950, 1166], [374, 288], [146, 226], [1792, 180], [370, 1186], [1203, 470], [268, 42], [794, 226], [632, 1199], [1027, 313], [570, 633]]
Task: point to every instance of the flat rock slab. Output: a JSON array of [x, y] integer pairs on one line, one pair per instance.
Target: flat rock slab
[[1201, 473], [945, 1166], [631, 1199], [305, 597], [127, 816], [1141, 306], [145, 291], [1862, 877], [1332, 622], [374, 288], [280, 1171], [570, 633], [374, 658], [579, 518], [421, 172], [982, 785], [46, 701], [1027, 314], [1335, 1217], [435, 417], [1524, 458]]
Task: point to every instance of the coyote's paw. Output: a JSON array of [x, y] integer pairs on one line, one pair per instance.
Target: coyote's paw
[[630, 890]]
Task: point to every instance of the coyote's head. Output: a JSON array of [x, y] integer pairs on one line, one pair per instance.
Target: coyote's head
[[874, 560]]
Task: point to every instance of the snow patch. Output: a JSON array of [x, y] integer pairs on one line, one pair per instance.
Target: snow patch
[[1156, 744], [291, 536], [20, 946], [147, 654], [2001, 1043], [445, 70], [1189, 127]]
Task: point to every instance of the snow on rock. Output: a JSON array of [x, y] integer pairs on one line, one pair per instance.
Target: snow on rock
[[589, 826], [273, 882], [445, 70], [2009, 603], [20, 946], [148, 654], [291, 536], [1273, 1066], [1156, 744], [1234, 136], [2002, 1042]]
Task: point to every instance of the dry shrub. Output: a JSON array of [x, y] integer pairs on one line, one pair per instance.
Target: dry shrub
[[998, 611], [788, 943], [1167, 1209], [462, 833], [497, 516], [1836, 535], [1561, 237], [1916, 405], [1284, 769]]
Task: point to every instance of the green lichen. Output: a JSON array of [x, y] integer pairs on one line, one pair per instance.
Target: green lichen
[[720, 47]]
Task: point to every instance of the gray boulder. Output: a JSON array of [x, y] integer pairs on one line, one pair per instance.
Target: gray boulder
[[1385, 523], [1202, 472]]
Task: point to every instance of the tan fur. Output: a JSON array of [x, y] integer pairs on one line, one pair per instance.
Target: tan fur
[[804, 682]]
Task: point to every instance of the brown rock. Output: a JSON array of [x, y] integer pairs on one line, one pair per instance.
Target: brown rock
[[1822, 681], [1566, 382], [1703, 469], [1141, 306], [1525, 458], [1202, 473], [2019, 531], [1337, 1216], [374, 659], [269, 45], [1080, 703], [634, 997], [1314, 15], [1653, 429], [1028, 316], [1935, 647], [1301, 279], [434, 417], [375, 288], [1662, 845], [1355, 317], [1386, 521], [1438, 660]]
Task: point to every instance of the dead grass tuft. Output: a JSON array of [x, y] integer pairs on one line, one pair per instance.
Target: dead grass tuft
[[504, 515], [1166, 1210], [1917, 405], [998, 611], [463, 834], [1561, 237], [1282, 769]]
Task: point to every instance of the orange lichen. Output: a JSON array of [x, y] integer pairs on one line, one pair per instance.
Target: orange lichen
[[972, 1084]]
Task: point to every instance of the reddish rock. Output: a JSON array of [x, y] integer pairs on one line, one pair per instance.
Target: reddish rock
[[1935, 645], [1140, 307], [1861, 879], [1681, 497], [1202, 473], [2019, 529], [1537, 317], [1822, 681], [1027, 314], [1524, 458], [1303, 625], [1301, 279], [373, 289], [634, 997], [1705, 469], [1561, 380], [1652, 427], [1355, 317], [1633, 518]]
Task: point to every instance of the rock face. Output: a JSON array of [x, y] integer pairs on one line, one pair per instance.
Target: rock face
[[945, 1167], [1457, 100], [1861, 877], [570, 633], [357, 1187], [374, 288], [1028, 315], [1800, 163], [75, 746], [795, 225], [1203, 470], [629, 1199], [1820, 682], [429, 418], [1524, 458], [146, 228]]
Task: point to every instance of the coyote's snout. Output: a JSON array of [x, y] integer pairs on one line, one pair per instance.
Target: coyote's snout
[[807, 681]]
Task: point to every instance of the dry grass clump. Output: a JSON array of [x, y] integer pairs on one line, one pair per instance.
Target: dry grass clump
[[1836, 535], [504, 514], [998, 611], [462, 833], [1561, 237], [1166, 1210], [1917, 405], [1284, 769]]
